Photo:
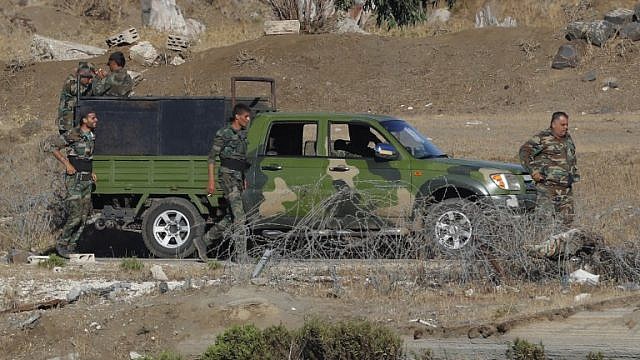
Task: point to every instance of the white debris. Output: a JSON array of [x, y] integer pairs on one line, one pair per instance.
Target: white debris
[[143, 53], [428, 322], [48, 49], [134, 355], [177, 61], [584, 277], [469, 292], [440, 15]]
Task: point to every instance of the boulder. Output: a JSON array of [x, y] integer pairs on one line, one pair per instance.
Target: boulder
[[619, 16], [630, 31], [440, 15], [165, 15], [636, 11], [348, 25], [486, 17], [158, 273], [48, 49], [596, 32], [566, 57], [143, 53]]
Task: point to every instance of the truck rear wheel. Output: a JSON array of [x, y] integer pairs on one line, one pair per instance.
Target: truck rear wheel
[[169, 228]]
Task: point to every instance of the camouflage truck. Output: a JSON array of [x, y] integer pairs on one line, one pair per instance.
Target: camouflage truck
[[151, 163]]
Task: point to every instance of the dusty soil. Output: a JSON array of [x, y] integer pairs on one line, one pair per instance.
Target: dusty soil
[[465, 89]]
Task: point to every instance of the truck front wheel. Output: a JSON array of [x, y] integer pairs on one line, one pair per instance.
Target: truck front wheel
[[453, 223], [169, 228]]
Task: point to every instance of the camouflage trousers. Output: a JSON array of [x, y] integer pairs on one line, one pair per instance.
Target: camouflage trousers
[[65, 121], [556, 201], [232, 185], [78, 203]]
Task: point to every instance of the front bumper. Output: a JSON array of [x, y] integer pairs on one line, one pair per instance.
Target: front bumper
[[520, 202]]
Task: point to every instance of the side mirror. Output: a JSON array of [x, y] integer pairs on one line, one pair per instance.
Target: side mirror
[[386, 152]]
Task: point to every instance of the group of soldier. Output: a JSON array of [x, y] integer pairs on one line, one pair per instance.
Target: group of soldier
[[79, 140], [549, 156]]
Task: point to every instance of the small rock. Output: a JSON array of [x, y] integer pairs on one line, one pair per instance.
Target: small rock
[[177, 61], [57, 269], [158, 273], [134, 355], [163, 287], [582, 297], [619, 16], [348, 25], [469, 292], [74, 294], [630, 31], [17, 256], [31, 322], [590, 76], [610, 82], [143, 53], [474, 333], [566, 57], [260, 281], [543, 298]]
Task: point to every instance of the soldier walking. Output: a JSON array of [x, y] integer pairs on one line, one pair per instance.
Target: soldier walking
[[550, 158], [68, 95], [117, 82], [230, 145], [79, 178]]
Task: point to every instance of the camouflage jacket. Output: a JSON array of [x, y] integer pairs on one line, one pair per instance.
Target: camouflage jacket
[[117, 83], [68, 96], [554, 158], [78, 144], [229, 144]]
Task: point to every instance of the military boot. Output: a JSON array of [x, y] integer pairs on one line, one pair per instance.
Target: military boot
[[198, 241], [62, 249]]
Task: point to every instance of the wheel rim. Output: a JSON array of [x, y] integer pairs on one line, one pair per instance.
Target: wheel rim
[[453, 230], [171, 229]]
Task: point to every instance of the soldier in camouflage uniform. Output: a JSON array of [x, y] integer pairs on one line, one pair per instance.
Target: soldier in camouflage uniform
[[69, 93], [230, 145], [115, 83], [79, 178], [550, 158]]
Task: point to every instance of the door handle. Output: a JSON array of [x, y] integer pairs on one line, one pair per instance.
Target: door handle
[[271, 167], [340, 168]]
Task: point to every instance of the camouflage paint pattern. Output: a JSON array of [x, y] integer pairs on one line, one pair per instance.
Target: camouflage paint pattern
[[68, 99]]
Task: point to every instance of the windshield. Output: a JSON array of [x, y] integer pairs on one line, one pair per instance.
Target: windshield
[[418, 145]]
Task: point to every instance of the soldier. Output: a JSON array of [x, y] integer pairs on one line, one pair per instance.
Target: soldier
[[550, 157], [79, 178], [230, 144], [69, 93], [115, 83]]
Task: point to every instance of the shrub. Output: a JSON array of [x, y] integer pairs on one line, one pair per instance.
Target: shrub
[[131, 264], [244, 342], [524, 350], [53, 261]]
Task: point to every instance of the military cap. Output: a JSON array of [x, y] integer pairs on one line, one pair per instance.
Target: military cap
[[85, 69]]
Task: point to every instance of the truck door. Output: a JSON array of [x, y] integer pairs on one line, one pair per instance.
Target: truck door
[[368, 192], [287, 174]]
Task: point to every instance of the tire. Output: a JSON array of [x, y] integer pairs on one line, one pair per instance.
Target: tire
[[452, 222], [169, 227]]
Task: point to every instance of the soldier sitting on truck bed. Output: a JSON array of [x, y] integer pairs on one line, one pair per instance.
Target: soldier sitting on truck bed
[[68, 95], [115, 83], [230, 144]]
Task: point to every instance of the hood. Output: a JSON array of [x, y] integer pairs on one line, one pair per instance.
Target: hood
[[465, 165]]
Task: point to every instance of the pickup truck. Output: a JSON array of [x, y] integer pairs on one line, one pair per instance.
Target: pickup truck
[[151, 163]]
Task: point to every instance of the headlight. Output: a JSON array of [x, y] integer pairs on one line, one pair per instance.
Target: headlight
[[506, 181]]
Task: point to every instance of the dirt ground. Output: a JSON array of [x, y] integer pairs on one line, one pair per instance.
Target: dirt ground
[[477, 93]]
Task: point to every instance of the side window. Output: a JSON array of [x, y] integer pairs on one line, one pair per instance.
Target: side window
[[292, 139], [353, 140]]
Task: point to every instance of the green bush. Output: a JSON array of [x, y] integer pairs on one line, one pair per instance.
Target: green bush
[[316, 340], [595, 356], [243, 342], [524, 350], [131, 264], [53, 261]]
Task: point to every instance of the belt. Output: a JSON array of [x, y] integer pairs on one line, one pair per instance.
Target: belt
[[81, 165], [83, 176], [234, 164]]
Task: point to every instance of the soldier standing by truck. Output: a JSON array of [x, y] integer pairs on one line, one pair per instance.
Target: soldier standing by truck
[[230, 145], [550, 158], [117, 82], [79, 178], [69, 94]]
